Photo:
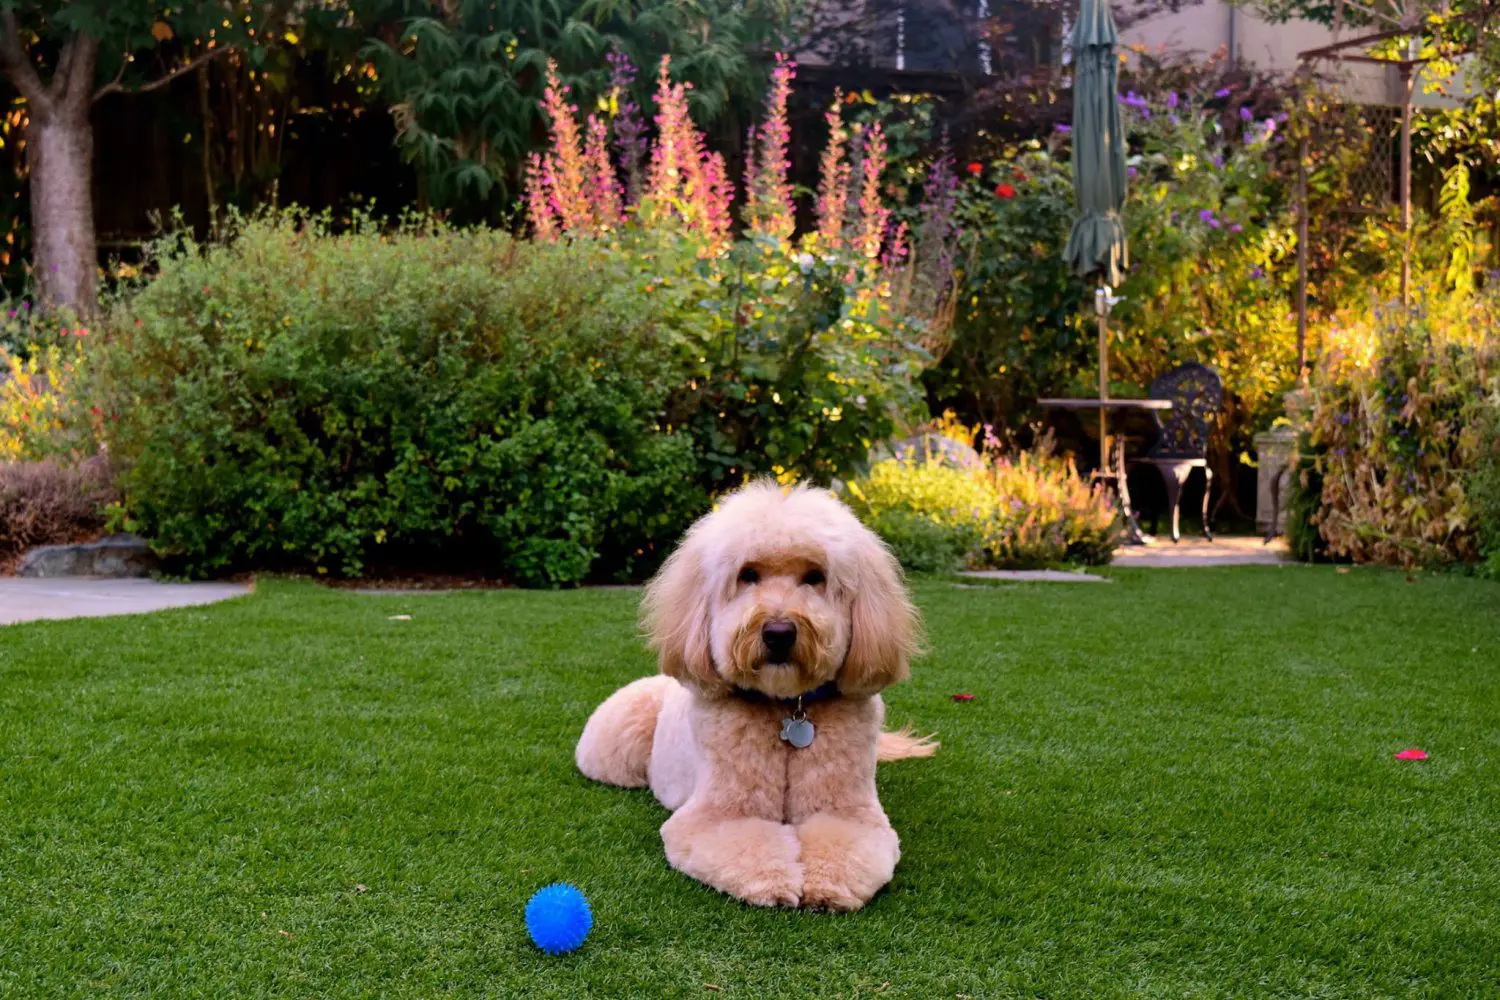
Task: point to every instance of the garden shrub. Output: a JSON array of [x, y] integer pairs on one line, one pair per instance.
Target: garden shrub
[[1483, 489], [1303, 500], [51, 502], [932, 515], [801, 351], [307, 400], [1402, 427], [1011, 511]]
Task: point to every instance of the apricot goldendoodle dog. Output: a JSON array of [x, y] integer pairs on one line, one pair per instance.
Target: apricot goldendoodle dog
[[777, 621]]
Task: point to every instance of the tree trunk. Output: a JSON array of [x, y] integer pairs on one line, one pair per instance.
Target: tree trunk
[[66, 253]]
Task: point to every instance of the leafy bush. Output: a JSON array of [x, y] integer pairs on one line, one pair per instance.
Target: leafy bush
[[800, 351], [1303, 501], [1404, 409], [302, 399], [932, 515], [1026, 510], [1483, 489], [48, 502], [1047, 513]]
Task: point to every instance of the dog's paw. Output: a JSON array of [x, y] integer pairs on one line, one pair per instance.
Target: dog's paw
[[820, 894], [782, 888], [844, 863]]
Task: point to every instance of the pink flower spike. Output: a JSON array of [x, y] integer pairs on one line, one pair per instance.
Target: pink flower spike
[[1411, 754]]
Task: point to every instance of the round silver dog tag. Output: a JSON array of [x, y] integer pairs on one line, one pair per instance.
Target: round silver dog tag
[[798, 732]]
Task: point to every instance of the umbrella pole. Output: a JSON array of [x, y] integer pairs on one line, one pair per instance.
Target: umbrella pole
[[1101, 308]]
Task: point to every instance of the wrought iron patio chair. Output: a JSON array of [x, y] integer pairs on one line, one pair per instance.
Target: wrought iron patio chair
[[1181, 445]]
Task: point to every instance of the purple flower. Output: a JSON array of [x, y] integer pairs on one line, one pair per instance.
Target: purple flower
[[1245, 113], [1223, 92], [1258, 273], [1236, 228], [1134, 100], [1062, 129], [1269, 125], [1173, 119], [1207, 217], [1281, 117], [1130, 171], [1172, 99], [1218, 161]]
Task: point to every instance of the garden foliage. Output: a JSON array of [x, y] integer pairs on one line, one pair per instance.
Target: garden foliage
[[1006, 510], [551, 409], [1403, 435]]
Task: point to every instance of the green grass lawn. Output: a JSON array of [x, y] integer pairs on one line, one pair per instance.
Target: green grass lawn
[[1180, 784]]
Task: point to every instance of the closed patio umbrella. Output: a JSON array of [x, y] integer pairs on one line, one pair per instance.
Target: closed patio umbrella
[[1096, 246]]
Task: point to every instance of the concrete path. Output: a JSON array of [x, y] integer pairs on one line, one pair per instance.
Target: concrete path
[[1035, 576], [1195, 551], [87, 597]]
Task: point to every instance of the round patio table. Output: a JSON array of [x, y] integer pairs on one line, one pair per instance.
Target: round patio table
[[1116, 475]]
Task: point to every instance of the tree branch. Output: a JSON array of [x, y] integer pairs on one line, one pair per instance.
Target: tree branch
[[17, 66], [116, 87]]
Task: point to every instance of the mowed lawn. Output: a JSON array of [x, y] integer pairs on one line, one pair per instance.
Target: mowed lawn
[[1178, 784]]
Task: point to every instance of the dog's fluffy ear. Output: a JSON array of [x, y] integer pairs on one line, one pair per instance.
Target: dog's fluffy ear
[[884, 629], [675, 616]]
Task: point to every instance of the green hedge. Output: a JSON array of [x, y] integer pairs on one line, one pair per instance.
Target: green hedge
[[301, 400], [306, 400]]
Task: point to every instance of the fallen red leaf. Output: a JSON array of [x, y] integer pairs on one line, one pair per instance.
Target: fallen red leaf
[[1411, 754], [963, 697]]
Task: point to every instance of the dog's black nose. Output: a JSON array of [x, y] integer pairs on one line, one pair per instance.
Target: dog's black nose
[[779, 638]]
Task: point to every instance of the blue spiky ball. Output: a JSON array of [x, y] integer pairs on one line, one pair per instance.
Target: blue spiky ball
[[558, 918]]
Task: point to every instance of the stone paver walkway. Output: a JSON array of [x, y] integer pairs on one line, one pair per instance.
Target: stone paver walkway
[[24, 600], [1196, 551]]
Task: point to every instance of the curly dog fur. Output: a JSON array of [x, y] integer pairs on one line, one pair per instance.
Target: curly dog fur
[[777, 593]]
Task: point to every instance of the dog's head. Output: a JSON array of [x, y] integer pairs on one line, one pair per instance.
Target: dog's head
[[781, 590]]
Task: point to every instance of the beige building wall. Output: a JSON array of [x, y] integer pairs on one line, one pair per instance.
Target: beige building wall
[[1206, 27]]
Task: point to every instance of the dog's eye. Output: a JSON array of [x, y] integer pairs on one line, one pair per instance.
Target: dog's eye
[[813, 578], [748, 575]]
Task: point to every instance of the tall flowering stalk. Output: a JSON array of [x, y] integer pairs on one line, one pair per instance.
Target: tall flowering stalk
[[770, 209], [833, 187], [605, 196], [937, 239], [718, 195], [686, 179], [538, 203], [873, 215], [627, 124], [565, 163]]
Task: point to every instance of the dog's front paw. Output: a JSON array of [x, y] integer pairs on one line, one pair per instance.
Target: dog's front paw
[[751, 859], [822, 894], [844, 863]]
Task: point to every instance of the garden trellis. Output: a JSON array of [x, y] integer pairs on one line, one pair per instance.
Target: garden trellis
[[1411, 40]]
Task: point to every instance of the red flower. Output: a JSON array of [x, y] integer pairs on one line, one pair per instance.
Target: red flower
[[1413, 754], [963, 697], [1018, 175], [976, 168], [1005, 191]]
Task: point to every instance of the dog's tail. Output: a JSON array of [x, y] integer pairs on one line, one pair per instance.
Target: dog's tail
[[903, 743]]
